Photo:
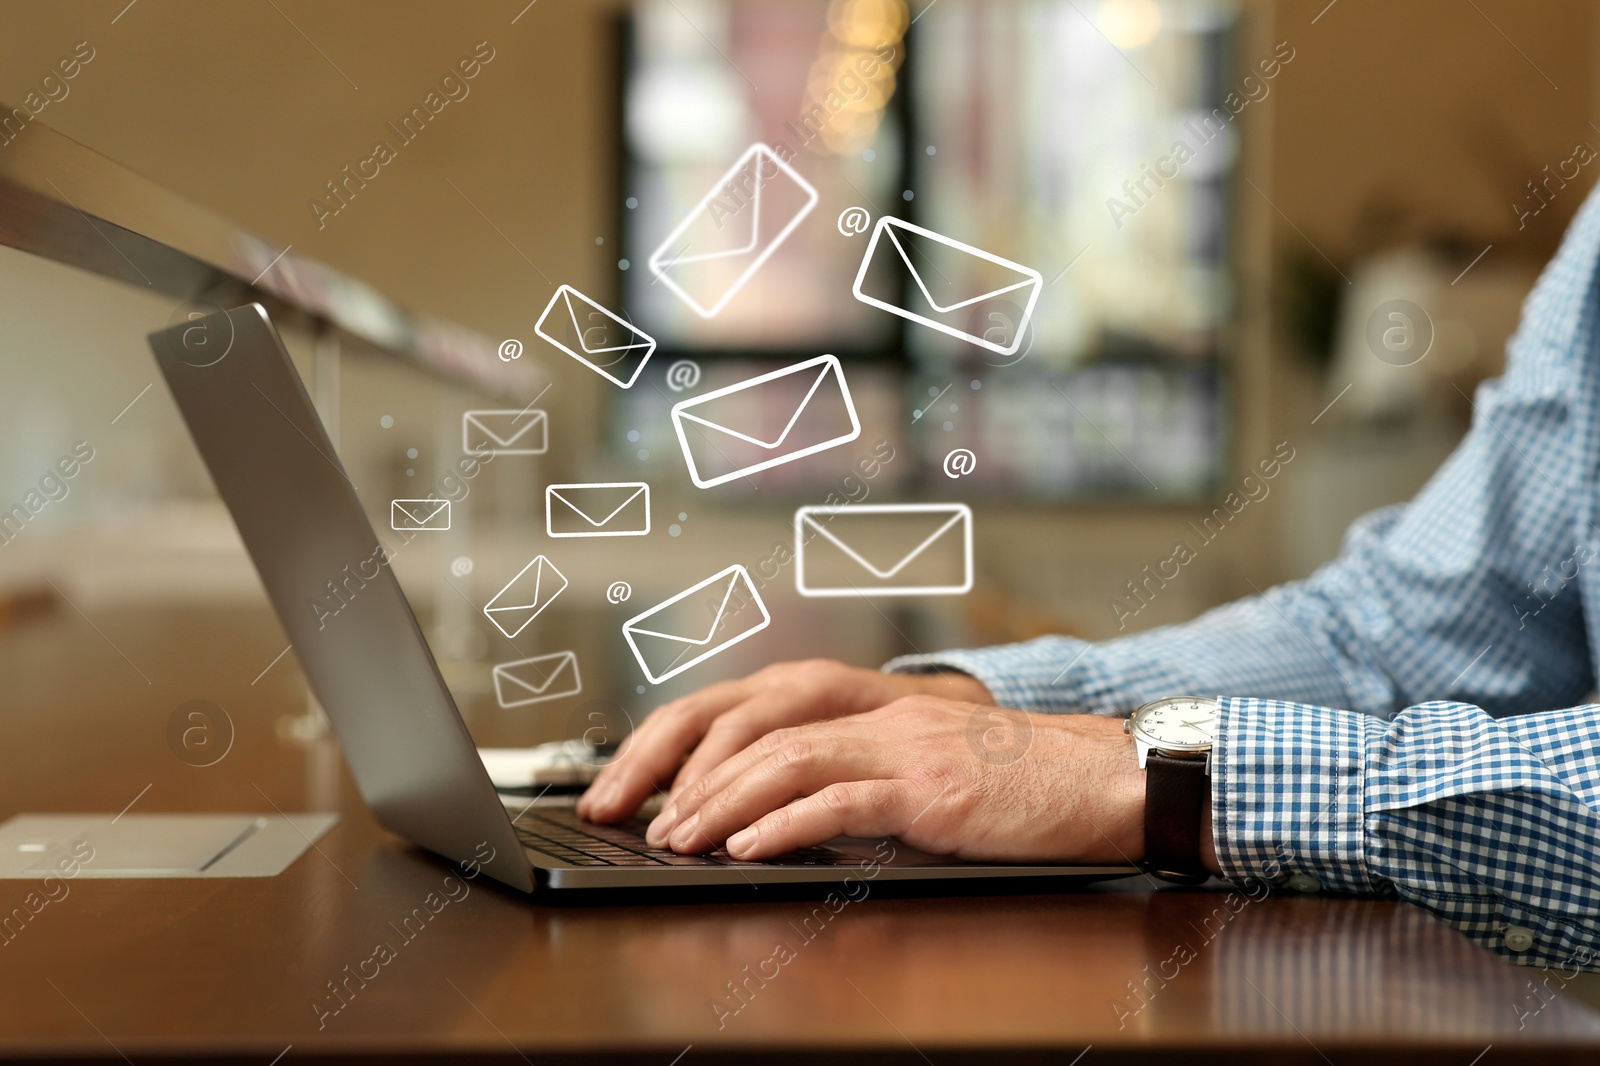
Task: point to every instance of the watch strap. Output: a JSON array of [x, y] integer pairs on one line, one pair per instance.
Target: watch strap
[[1176, 790]]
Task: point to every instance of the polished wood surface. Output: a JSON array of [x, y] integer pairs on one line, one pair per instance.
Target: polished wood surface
[[243, 969]]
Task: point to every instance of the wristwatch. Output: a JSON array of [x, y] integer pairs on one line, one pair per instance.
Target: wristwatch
[[1172, 738]]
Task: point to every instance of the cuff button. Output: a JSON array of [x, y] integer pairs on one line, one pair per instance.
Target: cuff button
[[1517, 938], [1303, 883]]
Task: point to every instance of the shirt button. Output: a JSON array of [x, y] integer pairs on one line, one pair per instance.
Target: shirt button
[[1517, 938], [1304, 883]]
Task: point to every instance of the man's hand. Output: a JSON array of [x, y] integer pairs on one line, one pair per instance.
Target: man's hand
[[919, 770], [716, 723]]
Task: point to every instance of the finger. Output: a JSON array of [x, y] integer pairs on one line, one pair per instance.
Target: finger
[[848, 808], [716, 779], [653, 752], [805, 766], [732, 733], [607, 775]]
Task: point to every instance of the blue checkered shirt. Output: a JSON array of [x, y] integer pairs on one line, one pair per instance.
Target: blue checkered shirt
[[1403, 722]]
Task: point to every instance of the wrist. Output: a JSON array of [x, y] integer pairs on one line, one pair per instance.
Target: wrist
[[1173, 743], [1125, 791], [953, 685]]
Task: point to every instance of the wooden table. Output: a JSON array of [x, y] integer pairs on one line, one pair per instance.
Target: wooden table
[[241, 970]]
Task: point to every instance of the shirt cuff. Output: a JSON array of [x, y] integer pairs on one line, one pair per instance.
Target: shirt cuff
[[1288, 788], [1014, 680]]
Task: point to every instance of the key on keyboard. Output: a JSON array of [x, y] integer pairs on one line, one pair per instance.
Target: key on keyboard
[[559, 832]]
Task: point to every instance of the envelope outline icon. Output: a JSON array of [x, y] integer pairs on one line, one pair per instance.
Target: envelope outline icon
[[524, 597], [886, 228], [807, 518], [600, 520], [825, 364], [517, 684], [506, 432], [734, 575], [564, 295], [662, 260], [406, 515]]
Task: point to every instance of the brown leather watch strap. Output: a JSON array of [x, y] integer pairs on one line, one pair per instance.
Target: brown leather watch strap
[[1175, 794]]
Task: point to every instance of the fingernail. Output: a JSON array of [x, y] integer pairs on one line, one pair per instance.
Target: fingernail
[[743, 842], [655, 833], [684, 834]]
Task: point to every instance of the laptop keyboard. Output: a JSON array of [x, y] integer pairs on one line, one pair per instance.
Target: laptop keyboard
[[559, 833]]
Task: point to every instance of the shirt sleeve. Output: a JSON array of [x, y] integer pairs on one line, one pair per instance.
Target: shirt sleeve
[[1493, 825], [1468, 593]]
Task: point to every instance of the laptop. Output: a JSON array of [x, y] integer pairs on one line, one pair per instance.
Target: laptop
[[407, 746]]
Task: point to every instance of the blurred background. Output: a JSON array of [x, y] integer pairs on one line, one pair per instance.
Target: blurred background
[[1262, 231]]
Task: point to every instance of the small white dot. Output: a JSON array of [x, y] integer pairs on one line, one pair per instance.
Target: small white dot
[[948, 426], [683, 516], [631, 202], [639, 689], [644, 453], [386, 422], [599, 240], [410, 472], [933, 390], [932, 150], [908, 196], [411, 453], [633, 436], [622, 264], [917, 413], [954, 408], [674, 530], [869, 155], [976, 384]]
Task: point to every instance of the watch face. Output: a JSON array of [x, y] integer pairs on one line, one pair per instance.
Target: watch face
[[1182, 723]]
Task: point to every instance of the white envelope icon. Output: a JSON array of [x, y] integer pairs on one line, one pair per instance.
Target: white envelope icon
[[729, 440], [883, 549], [748, 213], [595, 337], [521, 432], [419, 514], [963, 277], [602, 509], [525, 595], [543, 677], [696, 624]]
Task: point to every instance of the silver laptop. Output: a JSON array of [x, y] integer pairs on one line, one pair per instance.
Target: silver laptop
[[408, 748]]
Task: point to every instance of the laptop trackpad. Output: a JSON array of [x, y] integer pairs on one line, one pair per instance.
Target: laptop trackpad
[[154, 845]]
